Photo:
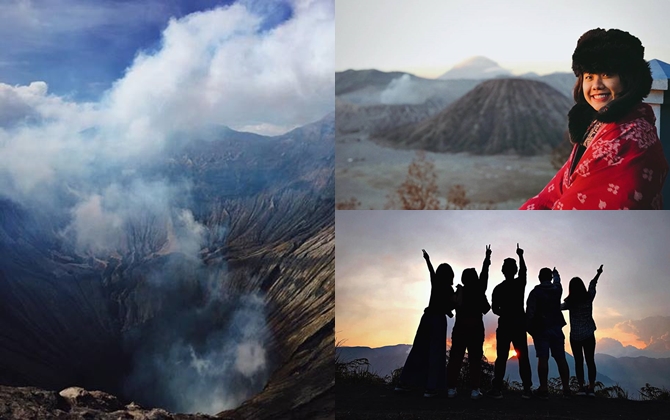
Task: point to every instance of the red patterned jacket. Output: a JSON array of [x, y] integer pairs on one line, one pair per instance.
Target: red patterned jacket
[[622, 168]]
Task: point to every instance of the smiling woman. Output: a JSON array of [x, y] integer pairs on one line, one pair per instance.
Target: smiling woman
[[601, 89], [617, 161]]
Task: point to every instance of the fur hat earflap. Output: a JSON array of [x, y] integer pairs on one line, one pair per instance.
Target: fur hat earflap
[[579, 118]]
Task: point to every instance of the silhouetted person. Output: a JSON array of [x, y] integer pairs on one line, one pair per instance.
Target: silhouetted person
[[468, 332], [545, 325], [582, 328], [424, 366], [507, 303]]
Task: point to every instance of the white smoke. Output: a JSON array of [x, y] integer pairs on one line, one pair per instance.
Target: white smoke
[[217, 67], [91, 162], [402, 90], [205, 374]]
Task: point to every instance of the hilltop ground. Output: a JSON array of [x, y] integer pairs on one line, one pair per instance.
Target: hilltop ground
[[380, 402]]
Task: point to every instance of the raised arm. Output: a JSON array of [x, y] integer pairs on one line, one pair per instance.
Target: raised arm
[[430, 266], [592, 285], [522, 264], [484, 275], [557, 278]]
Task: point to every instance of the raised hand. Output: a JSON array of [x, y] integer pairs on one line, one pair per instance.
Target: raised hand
[[425, 255], [554, 271], [519, 251], [600, 270], [488, 251]]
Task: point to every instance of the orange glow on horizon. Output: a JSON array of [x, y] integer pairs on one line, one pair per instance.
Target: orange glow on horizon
[[376, 339]]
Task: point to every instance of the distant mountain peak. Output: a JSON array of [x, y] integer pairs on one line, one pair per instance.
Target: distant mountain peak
[[477, 61], [477, 67]]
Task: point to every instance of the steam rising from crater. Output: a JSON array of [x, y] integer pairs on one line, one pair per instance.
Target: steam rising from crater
[[91, 166]]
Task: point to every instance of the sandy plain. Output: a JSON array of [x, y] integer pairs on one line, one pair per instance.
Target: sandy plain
[[370, 173]]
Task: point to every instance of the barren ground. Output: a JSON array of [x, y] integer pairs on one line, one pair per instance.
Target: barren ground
[[370, 172]]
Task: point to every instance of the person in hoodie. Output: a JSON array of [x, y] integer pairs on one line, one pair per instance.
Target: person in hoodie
[[545, 325], [617, 162], [424, 366], [468, 333], [507, 303]]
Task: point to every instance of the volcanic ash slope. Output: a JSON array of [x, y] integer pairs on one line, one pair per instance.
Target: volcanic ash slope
[[501, 116]]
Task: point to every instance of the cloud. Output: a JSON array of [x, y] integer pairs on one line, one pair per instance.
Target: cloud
[[223, 69], [217, 67], [653, 331], [613, 347], [647, 329]]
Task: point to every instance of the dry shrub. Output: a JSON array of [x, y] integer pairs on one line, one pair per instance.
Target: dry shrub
[[419, 191], [351, 204], [457, 198]]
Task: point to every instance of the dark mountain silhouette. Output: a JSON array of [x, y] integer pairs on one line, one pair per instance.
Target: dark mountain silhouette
[[516, 116], [72, 318], [383, 360], [351, 80], [373, 87], [353, 118], [631, 373]]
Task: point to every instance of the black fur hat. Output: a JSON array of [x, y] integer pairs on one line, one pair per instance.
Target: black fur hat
[[611, 51], [608, 51]]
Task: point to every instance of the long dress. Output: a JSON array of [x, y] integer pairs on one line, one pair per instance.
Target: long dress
[[425, 364]]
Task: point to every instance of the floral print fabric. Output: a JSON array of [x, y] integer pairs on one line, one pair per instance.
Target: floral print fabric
[[622, 168]]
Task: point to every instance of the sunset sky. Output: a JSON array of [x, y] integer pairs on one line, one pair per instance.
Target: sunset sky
[[382, 283], [427, 37]]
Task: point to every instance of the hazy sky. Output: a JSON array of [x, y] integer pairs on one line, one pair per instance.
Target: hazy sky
[[383, 285], [427, 37]]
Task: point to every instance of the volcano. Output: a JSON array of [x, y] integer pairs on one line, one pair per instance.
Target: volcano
[[244, 315], [501, 116]]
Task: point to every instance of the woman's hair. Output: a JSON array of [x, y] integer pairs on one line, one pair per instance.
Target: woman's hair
[[445, 271], [577, 292], [469, 275]]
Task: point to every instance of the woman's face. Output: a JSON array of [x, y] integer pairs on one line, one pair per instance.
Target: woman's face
[[601, 88]]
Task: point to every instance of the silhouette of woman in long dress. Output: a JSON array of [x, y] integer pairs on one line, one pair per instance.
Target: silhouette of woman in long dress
[[425, 364]]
